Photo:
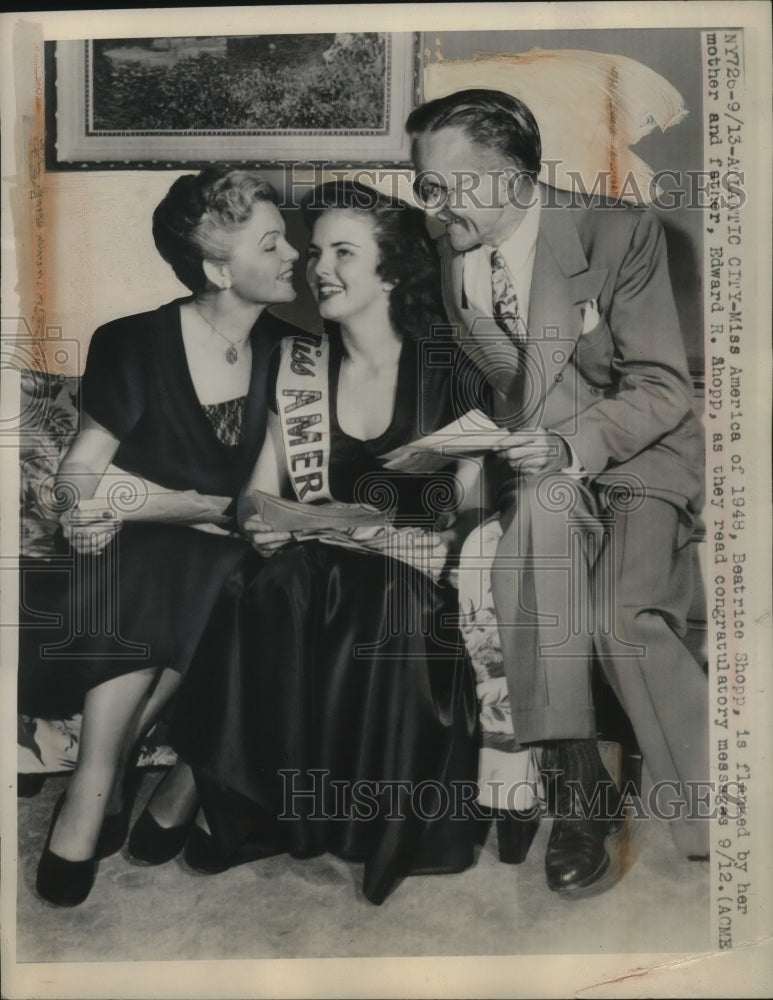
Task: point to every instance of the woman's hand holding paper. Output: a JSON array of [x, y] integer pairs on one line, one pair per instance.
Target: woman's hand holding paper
[[263, 537], [90, 532]]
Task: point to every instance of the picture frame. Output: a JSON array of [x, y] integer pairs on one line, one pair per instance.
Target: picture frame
[[268, 118]]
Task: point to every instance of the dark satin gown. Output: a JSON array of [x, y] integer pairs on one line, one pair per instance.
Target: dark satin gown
[[342, 715], [143, 603]]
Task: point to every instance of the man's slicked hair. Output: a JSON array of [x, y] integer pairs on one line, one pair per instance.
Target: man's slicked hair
[[491, 118]]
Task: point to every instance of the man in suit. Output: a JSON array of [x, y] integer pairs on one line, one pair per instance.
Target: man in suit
[[566, 308]]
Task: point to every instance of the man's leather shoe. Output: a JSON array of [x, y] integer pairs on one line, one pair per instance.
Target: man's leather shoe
[[584, 852], [579, 856]]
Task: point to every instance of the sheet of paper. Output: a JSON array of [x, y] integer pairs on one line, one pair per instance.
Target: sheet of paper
[[306, 519], [132, 498], [470, 435]]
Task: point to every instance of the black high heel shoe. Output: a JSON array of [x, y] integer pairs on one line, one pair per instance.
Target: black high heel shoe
[[28, 785], [59, 881], [152, 844], [515, 833], [203, 854]]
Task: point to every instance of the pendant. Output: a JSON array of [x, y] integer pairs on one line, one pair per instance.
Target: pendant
[[232, 355]]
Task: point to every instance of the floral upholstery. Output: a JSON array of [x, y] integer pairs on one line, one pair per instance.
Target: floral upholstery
[[503, 765], [49, 420]]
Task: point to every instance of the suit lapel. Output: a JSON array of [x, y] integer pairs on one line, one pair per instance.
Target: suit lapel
[[561, 283]]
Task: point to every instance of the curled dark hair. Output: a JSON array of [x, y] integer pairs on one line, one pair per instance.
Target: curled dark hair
[[407, 255], [197, 217], [490, 118]]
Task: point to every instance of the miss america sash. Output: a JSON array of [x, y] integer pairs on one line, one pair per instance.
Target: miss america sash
[[303, 403]]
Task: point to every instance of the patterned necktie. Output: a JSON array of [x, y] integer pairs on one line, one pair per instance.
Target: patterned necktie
[[504, 301]]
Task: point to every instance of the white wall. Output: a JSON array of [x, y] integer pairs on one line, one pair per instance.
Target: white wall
[[100, 260]]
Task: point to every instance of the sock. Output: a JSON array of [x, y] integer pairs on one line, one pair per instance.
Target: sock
[[580, 775]]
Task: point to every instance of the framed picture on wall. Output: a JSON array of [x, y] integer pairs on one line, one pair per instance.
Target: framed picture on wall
[[157, 102]]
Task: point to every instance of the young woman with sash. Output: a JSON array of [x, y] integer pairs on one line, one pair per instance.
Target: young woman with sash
[[177, 398], [344, 712]]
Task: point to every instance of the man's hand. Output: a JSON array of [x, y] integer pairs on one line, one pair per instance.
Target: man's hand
[[537, 451], [425, 550], [263, 537]]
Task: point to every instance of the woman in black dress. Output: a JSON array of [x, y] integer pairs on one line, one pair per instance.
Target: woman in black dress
[[343, 717], [176, 396]]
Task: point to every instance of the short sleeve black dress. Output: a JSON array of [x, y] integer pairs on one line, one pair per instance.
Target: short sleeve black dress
[[144, 601], [344, 715]]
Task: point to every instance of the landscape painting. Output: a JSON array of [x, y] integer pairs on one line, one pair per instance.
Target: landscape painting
[[249, 97]]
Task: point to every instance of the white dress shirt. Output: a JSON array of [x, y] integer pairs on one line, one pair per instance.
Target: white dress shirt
[[517, 251]]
